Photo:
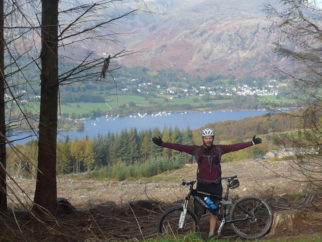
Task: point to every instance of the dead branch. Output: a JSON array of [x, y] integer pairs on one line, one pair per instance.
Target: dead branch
[[88, 29]]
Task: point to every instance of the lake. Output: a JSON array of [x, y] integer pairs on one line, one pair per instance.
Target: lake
[[106, 124]]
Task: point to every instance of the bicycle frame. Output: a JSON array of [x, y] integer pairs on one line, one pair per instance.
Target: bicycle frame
[[250, 217], [223, 204]]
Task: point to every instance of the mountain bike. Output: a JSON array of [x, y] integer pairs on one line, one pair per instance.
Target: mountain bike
[[250, 217]]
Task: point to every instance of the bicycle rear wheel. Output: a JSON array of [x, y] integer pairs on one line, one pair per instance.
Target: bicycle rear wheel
[[254, 217], [169, 222]]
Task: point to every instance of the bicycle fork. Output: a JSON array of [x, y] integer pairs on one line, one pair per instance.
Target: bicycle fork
[[223, 221], [183, 214]]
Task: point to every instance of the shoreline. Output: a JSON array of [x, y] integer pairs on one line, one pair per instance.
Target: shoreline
[[184, 119], [155, 114], [279, 109]]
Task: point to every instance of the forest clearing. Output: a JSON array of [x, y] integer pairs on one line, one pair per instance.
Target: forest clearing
[[63, 59], [112, 210]]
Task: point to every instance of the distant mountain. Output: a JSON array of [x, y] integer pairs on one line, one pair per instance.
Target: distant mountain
[[206, 37]]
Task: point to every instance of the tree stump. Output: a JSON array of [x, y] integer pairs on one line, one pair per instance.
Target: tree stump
[[283, 222]]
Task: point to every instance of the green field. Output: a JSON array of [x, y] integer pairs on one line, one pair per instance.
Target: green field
[[83, 108], [132, 101], [116, 101], [111, 103], [197, 101], [276, 100], [136, 103]]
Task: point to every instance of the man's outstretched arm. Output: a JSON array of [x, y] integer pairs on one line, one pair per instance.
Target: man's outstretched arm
[[239, 146], [183, 148]]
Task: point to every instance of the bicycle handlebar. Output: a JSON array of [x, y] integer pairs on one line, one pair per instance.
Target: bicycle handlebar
[[229, 178], [191, 183]]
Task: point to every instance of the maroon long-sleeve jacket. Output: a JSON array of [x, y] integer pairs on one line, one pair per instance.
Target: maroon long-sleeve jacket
[[208, 158]]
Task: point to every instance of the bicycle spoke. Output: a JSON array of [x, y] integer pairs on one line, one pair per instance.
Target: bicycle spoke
[[169, 223], [254, 218]]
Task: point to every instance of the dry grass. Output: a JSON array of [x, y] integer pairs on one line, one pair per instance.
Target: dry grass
[[255, 177], [110, 210]]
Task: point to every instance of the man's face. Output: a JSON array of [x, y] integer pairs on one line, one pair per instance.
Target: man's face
[[208, 140]]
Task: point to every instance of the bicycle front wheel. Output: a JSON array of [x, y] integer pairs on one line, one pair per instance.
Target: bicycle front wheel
[[169, 222], [253, 217]]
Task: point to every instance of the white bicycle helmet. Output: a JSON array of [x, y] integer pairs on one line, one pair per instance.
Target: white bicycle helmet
[[207, 132]]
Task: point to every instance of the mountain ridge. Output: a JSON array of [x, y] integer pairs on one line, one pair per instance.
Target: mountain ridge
[[205, 38]]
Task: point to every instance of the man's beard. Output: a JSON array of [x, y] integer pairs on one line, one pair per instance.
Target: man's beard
[[208, 145]]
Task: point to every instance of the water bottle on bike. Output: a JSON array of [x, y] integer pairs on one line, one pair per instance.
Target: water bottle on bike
[[210, 203]]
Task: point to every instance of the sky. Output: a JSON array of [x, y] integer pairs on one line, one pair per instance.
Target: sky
[[317, 2]]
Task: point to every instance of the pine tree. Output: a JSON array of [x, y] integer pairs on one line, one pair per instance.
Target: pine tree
[[166, 138], [111, 140], [187, 140], [187, 136], [146, 145], [64, 165], [27, 167], [156, 150], [89, 156], [3, 162], [134, 145], [77, 154], [101, 150], [176, 137], [122, 150], [46, 183]]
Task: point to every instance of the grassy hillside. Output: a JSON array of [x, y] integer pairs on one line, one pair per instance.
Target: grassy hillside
[[109, 156], [238, 130]]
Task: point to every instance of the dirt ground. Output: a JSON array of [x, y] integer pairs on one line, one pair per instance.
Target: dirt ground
[[255, 176], [107, 210]]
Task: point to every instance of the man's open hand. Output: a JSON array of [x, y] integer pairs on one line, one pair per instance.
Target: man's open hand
[[256, 140], [157, 141]]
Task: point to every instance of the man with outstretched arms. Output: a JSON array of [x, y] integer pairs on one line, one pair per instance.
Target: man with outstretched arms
[[208, 157]]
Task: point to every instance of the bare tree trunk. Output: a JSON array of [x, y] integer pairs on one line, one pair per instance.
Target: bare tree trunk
[[46, 187], [3, 186]]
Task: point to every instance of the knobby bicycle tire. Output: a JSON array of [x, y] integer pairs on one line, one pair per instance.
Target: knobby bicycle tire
[[169, 221], [255, 217]]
